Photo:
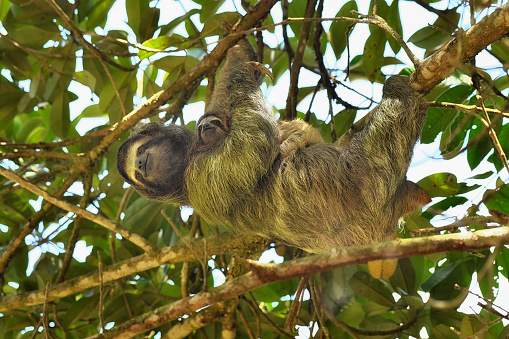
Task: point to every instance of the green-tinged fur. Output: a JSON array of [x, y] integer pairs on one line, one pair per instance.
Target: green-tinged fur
[[319, 195], [283, 182], [220, 180]]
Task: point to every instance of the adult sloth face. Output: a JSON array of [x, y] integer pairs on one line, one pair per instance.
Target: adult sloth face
[[153, 161]]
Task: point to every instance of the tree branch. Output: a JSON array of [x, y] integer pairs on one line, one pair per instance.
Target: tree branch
[[218, 244], [468, 109], [458, 51], [291, 101], [33, 221], [132, 237], [209, 62], [262, 274]]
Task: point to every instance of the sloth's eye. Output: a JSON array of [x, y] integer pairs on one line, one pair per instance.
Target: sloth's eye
[[140, 151], [216, 122], [138, 176]]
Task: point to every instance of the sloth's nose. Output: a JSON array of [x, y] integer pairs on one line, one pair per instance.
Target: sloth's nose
[[141, 162]]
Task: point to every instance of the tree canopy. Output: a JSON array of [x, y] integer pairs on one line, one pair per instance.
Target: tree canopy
[[83, 255]]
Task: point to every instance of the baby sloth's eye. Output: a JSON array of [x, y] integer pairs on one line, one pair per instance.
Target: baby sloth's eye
[[140, 151]]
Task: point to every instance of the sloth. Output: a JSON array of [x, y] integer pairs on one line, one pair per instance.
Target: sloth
[[281, 180]]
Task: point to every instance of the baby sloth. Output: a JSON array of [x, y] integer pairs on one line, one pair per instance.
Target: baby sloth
[[281, 181]]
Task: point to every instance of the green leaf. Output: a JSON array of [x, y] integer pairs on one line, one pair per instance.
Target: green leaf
[[93, 111], [416, 221], [18, 323], [448, 317], [94, 13], [442, 332], [403, 279], [141, 216], [59, 120], [353, 315], [372, 57], [160, 43], [444, 205], [440, 184], [343, 121], [497, 199], [337, 31], [134, 9], [167, 30], [34, 84], [428, 38], [503, 138], [213, 25], [439, 119], [171, 62], [208, 8], [86, 78], [18, 63], [32, 36], [394, 21], [465, 188], [440, 274], [4, 9], [470, 325], [109, 45], [484, 175], [150, 19], [503, 261], [364, 285], [23, 135], [296, 10], [479, 149]]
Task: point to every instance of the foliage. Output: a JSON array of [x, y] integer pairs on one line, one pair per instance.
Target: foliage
[[70, 77]]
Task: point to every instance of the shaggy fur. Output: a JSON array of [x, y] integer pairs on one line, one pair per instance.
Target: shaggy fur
[[283, 182]]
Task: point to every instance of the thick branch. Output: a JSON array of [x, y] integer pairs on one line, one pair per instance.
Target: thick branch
[[443, 62], [458, 51], [218, 244], [263, 274]]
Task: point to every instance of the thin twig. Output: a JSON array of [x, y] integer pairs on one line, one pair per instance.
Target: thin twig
[[101, 290], [100, 56], [32, 222], [73, 239], [464, 222], [492, 134], [255, 313], [271, 323], [317, 305], [380, 22], [186, 242], [245, 322], [469, 109], [133, 237], [56, 144], [291, 102], [45, 315], [296, 305]]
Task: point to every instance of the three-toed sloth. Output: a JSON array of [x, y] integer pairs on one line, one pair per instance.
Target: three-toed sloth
[[280, 180]]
